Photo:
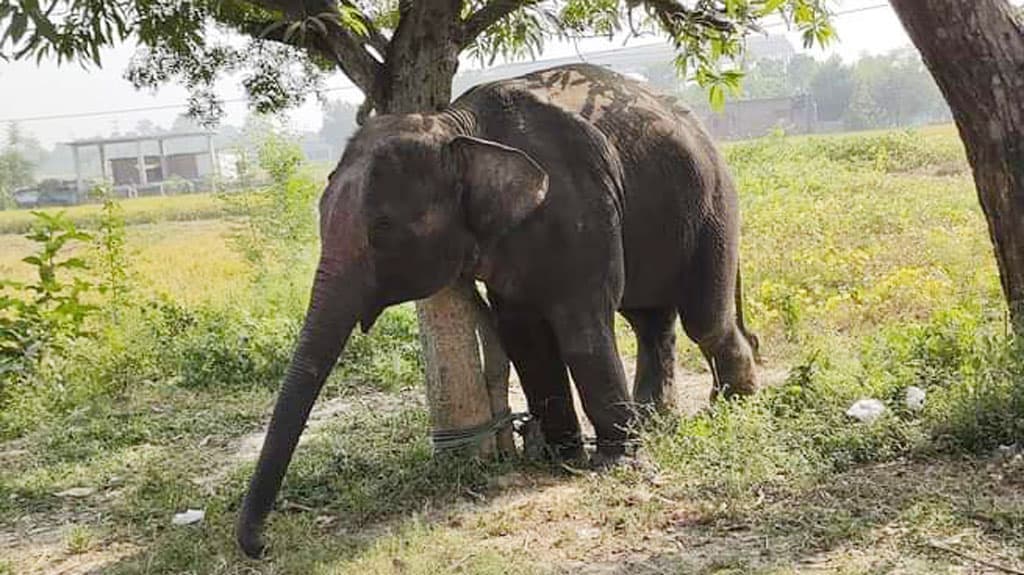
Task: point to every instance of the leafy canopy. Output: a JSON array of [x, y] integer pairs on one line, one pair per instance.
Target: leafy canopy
[[287, 47]]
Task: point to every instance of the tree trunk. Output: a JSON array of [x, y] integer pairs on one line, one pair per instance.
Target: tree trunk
[[421, 63], [975, 51]]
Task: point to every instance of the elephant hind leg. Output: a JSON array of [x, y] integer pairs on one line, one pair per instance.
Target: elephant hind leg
[[533, 350], [707, 309], [654, 383]]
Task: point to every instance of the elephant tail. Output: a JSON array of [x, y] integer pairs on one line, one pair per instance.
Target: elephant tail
[[751, 337]]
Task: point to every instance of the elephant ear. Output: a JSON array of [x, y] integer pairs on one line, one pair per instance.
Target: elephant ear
[[500, 185]]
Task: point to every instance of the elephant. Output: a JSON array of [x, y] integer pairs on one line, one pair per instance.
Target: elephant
[[571, 193]]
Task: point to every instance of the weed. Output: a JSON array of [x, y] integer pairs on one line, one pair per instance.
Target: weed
[[111, 252], [79, 539], [275, 226], [389, 357], [44, 313]]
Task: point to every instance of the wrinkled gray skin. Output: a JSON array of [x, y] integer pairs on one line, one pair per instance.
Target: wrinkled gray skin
[[571, 193]]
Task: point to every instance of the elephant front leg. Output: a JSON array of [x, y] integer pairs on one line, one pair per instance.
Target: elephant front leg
[[532, 347], [586, 340]]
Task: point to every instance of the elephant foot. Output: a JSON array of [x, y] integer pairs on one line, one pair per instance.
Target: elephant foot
[[735, 391], [568, 452], [732, 362], [250, 541], [601, 462], [648, 408], [559, 447]]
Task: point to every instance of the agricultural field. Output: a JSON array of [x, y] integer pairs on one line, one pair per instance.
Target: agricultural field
[[867, 270], [137, 211]]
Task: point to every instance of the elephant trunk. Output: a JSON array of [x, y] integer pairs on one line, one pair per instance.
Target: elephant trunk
[[332, 315]]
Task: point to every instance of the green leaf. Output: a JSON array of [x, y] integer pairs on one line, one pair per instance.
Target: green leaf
[[352, 19], [74, 263], [18, 25], [716, 95], [770, 6]]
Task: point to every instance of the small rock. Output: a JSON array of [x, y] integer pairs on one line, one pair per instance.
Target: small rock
[[115, 481], [76, 492], [866, 410], [915, 398], [189, 517], [588, 533]]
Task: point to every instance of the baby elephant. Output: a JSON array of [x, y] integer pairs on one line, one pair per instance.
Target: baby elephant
[[571, 193]]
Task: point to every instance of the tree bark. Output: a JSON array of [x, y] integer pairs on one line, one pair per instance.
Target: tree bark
[[420, 65], [975, 51]]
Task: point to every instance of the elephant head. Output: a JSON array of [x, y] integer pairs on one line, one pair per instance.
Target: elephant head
[[404, 214]]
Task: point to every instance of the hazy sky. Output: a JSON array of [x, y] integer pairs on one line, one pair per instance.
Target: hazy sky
[[28, 91]]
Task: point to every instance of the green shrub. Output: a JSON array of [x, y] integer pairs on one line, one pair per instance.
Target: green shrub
[[275, 225], [972, 372], [225, 349], [387, 358], [887, 152], [39, 317]]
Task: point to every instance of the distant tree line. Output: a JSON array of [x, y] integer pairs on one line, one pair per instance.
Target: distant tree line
[[885, 91]]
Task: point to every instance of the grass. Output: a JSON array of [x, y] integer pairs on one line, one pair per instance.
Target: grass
[[147, 210], [867, 269]]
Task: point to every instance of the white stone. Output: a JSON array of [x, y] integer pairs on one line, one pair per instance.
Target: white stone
[[915, 398], [189, 517], [866, 410]]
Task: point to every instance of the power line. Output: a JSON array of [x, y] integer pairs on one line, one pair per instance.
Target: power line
[[94, 114], [841, 13], [100, 113]]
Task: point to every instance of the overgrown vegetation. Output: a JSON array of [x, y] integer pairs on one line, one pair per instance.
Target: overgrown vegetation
[[39, 317], [867, 269]]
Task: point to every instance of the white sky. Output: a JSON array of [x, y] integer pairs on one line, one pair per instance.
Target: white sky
[[29, 91]]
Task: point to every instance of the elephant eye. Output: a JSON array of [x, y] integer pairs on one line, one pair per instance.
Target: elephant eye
[[382, 222], [382, 227]]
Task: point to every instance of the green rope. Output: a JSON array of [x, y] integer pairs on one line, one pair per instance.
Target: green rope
[[446, 439]]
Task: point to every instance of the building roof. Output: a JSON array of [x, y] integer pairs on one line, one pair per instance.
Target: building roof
[[130, 139]]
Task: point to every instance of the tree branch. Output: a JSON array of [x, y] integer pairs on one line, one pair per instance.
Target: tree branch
[[485, 17], [335, 42], [673, 15]]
